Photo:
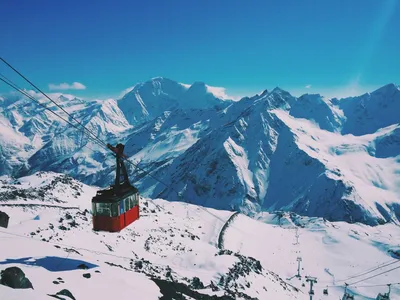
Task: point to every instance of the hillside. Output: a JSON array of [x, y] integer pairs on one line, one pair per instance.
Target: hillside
[[174, 246]]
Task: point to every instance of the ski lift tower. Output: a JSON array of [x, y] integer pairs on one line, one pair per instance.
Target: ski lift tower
[[311, 280], [298, 267]]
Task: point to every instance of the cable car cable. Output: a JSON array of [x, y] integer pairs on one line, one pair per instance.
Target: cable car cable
[[375, 275], [95, 137], [44, 94], [372, 270], [8, 82], [375, 285], [105, 145]]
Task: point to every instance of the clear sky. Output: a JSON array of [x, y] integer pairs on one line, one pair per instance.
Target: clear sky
[[333, 47]]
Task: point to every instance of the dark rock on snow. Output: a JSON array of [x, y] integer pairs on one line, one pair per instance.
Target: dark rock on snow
[[15, 278], [83, 267], [4, 219], [177, 290], [63, 292]]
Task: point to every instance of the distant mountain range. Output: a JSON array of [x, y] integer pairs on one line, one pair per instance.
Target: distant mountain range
[[332, 158]]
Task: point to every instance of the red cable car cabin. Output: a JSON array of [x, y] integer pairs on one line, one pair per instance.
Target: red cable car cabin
[[116, 207]]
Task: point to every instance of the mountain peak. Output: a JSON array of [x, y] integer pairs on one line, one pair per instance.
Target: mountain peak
[[388, 88], [197, 87], [278, 90], [198, 84], [311, 96], [282, 93], [160, 79], [64, 98]]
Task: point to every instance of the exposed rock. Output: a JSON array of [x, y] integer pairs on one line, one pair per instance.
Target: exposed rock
[[86, 275], [83, 267], [196, 283], [176, 290], [15, 278], [63, 292], [4, 218]]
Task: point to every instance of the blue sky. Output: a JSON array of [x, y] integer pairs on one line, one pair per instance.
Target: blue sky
[[333, 47]]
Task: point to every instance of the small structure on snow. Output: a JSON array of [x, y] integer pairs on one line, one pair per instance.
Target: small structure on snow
[[326, 291]]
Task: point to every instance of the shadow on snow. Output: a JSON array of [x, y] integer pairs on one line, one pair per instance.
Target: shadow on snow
[[50, 263]]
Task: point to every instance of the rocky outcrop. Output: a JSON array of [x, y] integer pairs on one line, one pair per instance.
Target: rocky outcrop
[[63, 294], [14, 277], [4, 218]]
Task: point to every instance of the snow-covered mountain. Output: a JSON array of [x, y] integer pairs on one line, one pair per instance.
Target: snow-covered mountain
[[34, 138], [150, 99], [182, 251], [331, 158], [267, 159], [372, 111]]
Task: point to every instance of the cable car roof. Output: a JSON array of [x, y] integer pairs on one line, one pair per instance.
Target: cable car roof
[[109, 195]]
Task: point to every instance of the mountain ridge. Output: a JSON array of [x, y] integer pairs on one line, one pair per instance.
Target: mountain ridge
[[225, 154]]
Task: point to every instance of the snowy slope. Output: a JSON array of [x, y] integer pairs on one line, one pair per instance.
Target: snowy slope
[[50, 235], [341, 178], [334, 253]]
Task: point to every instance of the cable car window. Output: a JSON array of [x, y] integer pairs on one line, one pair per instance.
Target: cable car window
[[127, 204], [94, 209], [114, 209], [122, 207], [132, 200], [103, 209]]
